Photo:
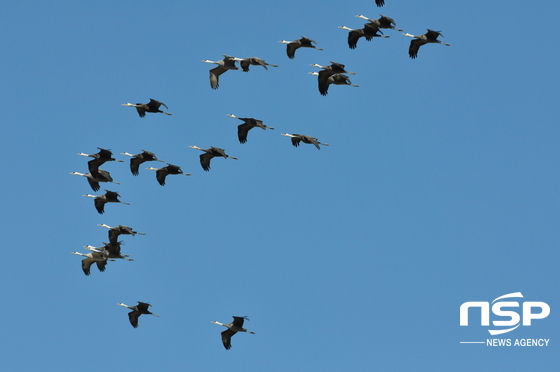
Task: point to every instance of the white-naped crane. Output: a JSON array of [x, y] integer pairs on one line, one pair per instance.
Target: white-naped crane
[[294, 45], [161, 173], [101, 176], [427, 38], [116, 231], [248, 124], [297, 138], [368, 32], [228, 63], [246, 62], [382, 22], [336, 79], [110, 250], [100, 200], [152, 106], [326, 72], [209, 154], [141, 308], [232, 328], [138, 159], [94, 257], [99, 158]]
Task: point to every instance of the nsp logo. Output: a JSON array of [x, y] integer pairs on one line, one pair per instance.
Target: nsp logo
[[513, 322]]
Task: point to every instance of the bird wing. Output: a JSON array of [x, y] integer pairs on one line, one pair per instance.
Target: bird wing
[[153, 104], [160, 175], [93, 183], [141, 111], [226, 338], [242, 131], [414, 47], [379, 3], [101, 265], [314, 142], [238, 321], [245, 63], [323, 80], [214, 76], [291, 50], [93, 166], [99, 205], [433, 35], [143, 306], [86, 264], [133, 317], [205, 161], [296, 141], [113, 235], [353, 37], [135, 165]]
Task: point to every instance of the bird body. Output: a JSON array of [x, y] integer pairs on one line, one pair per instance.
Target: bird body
[[382, 22], [297, 138], [209, 154], [429, 37], [101, 200], [99, 158], [161, 173], [111, 250], [101, 176], [336, 79], [326, 73], [248, 124], [232, 328], [246, 62], [115, 232], [369, 32], [152, 106], [94, 257], [138, 159], [228, 63], [141, 308], [292, 46]]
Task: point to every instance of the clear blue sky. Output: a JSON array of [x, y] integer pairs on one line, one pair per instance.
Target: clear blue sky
[[440, 186]]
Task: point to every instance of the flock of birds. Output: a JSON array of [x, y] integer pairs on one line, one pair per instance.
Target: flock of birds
[[331, 74]]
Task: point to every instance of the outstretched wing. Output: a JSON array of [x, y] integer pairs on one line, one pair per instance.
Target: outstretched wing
[[226, 338]]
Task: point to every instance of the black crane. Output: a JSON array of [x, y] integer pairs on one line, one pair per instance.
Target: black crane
[[326, 72], [248, 124], [232, 328], [152, 106], [382, 22], [292, 46], [246, 62], [228, 63], [161, 173], [336, 79], [297, 138], [101, 200], [101, 176], [138, 159], [368, 32], [141, 308], [94, 257], [429, 37], [99, 158], [115, 232], [209, 154]]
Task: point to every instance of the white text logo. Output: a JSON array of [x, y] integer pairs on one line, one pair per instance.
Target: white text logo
[[528, 312]]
